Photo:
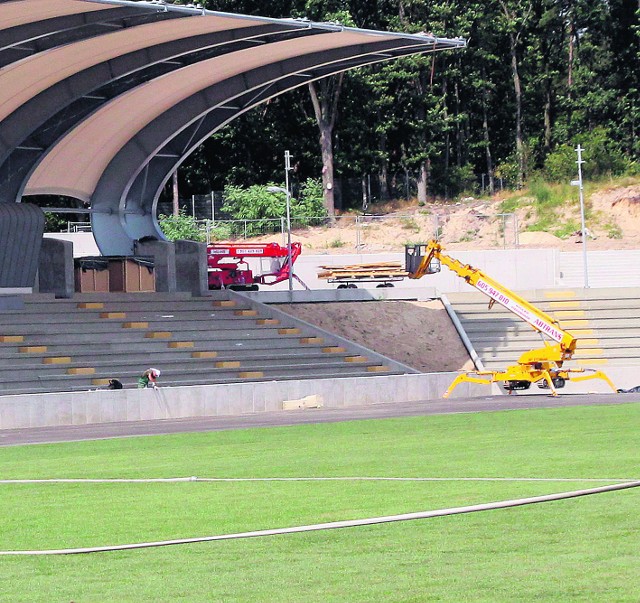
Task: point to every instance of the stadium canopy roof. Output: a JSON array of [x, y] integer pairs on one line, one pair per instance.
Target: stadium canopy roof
[[101, 100]]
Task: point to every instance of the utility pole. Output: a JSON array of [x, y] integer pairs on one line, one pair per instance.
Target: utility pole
[[287, 168], [578, 183]]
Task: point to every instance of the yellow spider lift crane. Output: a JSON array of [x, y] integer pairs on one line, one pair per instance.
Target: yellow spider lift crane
[[542, 365]]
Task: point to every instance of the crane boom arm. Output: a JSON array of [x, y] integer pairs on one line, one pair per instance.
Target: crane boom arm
[[539, 320]]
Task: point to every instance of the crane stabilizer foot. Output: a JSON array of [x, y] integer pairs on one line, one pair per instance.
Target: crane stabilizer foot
[[522, 380], [591, 374]]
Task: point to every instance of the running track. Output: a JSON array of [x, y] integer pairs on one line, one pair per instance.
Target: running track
[[41, 435]]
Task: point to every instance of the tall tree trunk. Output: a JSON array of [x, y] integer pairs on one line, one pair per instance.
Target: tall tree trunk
[[547, 117], [423, 180], [176, 194], [447, 137], [512, 20], [324, 97], [518, 94], [485, 134], [572, 34], [383, 170], [459, 135]]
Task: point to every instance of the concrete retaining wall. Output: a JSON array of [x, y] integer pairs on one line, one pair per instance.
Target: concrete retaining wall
[[106, 406]]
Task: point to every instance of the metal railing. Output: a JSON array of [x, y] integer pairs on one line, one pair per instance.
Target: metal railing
[[78, 226]]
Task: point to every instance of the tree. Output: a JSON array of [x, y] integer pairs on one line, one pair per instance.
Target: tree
[[324, 97], [515, 15]]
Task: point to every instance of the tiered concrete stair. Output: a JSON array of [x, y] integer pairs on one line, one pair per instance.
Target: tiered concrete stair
[[605, 321], [79, 344]]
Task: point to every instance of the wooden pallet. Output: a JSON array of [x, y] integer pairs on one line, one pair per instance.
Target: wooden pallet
[[380, 270]]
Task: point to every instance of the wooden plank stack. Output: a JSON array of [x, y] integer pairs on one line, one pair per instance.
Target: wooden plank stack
[[377, 270]]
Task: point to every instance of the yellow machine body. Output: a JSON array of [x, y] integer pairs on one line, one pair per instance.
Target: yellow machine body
[[541, 365]]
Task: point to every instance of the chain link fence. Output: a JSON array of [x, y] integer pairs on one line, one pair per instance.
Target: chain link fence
[[365, 233]]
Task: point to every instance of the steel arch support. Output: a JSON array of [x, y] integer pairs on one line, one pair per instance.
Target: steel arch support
[[120, 176]]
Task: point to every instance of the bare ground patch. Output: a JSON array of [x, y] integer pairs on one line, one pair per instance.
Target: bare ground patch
[[419, 334]]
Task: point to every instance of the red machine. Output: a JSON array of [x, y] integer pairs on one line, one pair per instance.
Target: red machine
[[228, 266]]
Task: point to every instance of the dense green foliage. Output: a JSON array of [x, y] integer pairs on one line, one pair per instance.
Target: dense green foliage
[[258, 206], [531, 553], [537, 77], [181, 227]]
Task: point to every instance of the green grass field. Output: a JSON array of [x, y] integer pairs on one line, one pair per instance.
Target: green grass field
[[582, 549]]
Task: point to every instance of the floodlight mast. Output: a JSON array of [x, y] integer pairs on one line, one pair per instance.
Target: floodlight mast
[[580, 186], [279, 189]]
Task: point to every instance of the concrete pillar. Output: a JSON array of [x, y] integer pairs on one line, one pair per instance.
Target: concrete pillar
[[164, 259], [191, 267], [21, 229], [55, 268]]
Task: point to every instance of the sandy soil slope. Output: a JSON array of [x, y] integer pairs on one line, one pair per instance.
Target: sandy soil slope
[[419, 334]]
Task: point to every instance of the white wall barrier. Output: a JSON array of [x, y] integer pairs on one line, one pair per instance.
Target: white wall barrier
[[109, 406]]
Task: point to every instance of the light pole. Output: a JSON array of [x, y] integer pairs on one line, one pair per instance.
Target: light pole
[[578, 183], [279, 189]]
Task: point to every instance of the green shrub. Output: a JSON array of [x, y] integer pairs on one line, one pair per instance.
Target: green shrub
[[181, 227], [263, 207], [564, 231], [613, 231], [509, 206], [220, 231], [601, 156]]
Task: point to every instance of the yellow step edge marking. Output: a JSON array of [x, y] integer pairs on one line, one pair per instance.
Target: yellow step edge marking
[[560, 314], [90, 305], [594, 361], [180, 344], [250, 374], [556, 294], [289, 331], [245, 312], [267, 321], [228, 364], [85, 370], [32, 349], [113, 314], [135, 325], [587, 342], [580, 332], [158, 335], [565, 304], [355, 359], [11, 338], [311, 340], [224, 303], [334, 349], [57, 360], [204, 354], [100, 381], [570, 324], [377, 369]]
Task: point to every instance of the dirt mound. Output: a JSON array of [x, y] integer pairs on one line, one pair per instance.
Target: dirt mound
[[418, 334]]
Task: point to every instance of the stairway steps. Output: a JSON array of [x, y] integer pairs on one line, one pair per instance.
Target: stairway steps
[[185, 359], [68, 345], [605, 322]]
